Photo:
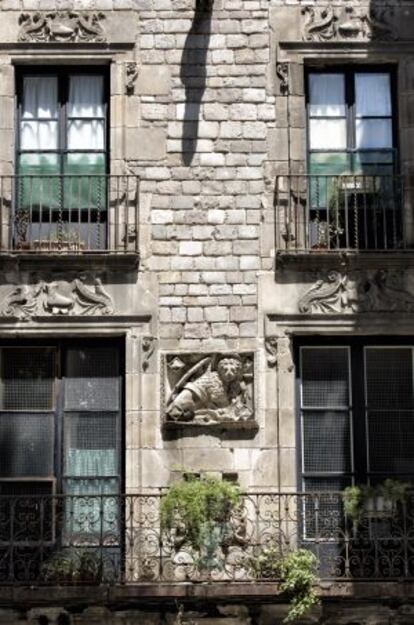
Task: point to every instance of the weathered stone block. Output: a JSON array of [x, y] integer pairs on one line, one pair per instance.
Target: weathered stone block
[[145, 144]]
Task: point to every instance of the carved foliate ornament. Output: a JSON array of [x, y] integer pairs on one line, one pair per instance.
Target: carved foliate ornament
[[84, 295], [209, 389], [348, 23], [62, 26], [359, 292]]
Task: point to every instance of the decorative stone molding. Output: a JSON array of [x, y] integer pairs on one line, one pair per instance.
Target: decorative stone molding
[[359, 292], [62, 26], [148, 347], [348, 23], [209, 389], [54, 296], [131, 75], [282, 72]]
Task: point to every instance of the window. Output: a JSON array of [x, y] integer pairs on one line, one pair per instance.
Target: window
[[61, 156], [350, 122], [355, 196], [357, 413], [60, 431]]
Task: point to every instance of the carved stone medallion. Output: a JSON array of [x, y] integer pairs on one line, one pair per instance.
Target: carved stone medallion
[[84, 295], [348, 23], [62, 26], [209, 389]]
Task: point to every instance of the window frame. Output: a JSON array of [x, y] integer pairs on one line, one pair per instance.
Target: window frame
[[360, 473], [62, 73], [349, 73], [61, 346]]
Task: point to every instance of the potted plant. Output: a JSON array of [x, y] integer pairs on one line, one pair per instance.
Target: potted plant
[[374, 502], [197, 513], [73, 567]]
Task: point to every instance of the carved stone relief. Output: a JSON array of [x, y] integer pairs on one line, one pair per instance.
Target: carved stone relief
[[359, 292], [348, 23], [84, 295], [62, 26], [131, 75], [282, 72], [271, 349], [208, 389], [148, 346]]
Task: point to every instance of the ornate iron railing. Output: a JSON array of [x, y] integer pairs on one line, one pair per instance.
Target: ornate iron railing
[[119, 540], [348, 212], [69, 214]]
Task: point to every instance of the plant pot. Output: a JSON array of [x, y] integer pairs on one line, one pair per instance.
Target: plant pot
[[44, 245], [379, 507]]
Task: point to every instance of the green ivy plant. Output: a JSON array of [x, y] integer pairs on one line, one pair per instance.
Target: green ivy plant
[[296, 572], [199, 505]]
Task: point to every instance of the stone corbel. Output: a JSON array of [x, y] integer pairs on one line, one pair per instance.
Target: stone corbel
[[131, 75], [148, 347], [282, 72]]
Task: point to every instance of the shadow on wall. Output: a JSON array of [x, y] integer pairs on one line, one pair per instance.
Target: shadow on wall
[[193, 73]]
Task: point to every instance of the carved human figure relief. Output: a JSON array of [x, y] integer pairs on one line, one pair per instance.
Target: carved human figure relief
[[208, 389]]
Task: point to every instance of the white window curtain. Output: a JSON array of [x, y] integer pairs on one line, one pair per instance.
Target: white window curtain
[[40, 103], [373, 99], [327, 99], [327, 95], [373, 95], [86, 100]]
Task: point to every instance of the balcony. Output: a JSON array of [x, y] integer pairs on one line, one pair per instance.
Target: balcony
[[347, 213], [117, 541], [69, 215]]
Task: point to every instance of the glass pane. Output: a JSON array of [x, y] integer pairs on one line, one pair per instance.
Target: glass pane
[[333, 163], [82, 188], [27, 378], [86, 135], [374, 163], [327, 95], [325, 377], [373, 133], [391, 442], [86, 96], [90, 518], [41, 164], [92, 381], [373, 95], [40, 97], [90, 444], [26, 445], [326, 441], [327, 134], [389, 377], [38, 135]]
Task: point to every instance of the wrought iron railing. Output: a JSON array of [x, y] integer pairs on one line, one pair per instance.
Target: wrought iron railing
[[69, 214], [119, 540], [348, 212]]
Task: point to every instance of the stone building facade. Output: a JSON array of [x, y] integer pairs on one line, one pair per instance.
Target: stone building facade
[[200, 232]]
